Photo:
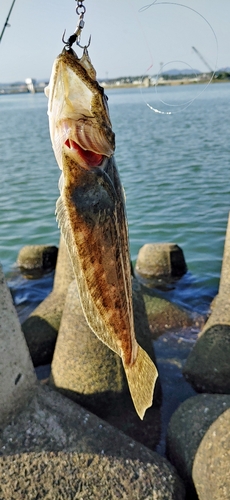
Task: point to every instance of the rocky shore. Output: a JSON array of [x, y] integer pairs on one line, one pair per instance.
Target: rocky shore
[[76, 435]]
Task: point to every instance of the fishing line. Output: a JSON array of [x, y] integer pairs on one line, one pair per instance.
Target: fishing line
[[187, 103]]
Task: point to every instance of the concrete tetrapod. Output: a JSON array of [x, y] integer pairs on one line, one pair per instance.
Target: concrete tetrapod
[[160, 261], [198, 445], [87, 371], [207, 367], [37, 257], [211, 467], [57, 450], [41, 327], [17, 377], [164, 315]]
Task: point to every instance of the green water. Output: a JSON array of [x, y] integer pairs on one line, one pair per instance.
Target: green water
[[175, 170]]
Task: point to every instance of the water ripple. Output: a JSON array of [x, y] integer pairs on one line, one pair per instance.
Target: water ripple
[[175, 171]]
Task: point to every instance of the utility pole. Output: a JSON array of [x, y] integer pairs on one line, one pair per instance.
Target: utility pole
[[7, 19]]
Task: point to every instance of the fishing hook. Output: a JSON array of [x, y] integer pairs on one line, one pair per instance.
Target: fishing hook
[[70, 41], [84, 46], [80, 10]]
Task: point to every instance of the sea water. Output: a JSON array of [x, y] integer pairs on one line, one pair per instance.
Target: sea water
[[174, 168]]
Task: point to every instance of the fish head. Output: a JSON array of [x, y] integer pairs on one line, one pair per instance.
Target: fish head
[[80, 126]]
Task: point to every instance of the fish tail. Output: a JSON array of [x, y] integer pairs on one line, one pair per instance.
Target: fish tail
[[141, 376]]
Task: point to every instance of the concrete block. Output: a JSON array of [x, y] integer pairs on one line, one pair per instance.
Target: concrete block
[[17, 377], [207, 367], [198, 445], [211, 467], [161, 261], [42, 325], [42, 257], [56, 450]]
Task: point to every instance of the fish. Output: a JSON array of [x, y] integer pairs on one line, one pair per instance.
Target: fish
[[92, 217]]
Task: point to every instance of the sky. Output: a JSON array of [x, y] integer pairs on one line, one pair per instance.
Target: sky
[[129, 37]]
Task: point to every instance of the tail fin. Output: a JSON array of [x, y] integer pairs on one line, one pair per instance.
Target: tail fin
[[141, 376]]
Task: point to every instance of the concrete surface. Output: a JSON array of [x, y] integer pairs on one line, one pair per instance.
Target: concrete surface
[[42, 325], [17, 377], [207, 367], [56, 450]]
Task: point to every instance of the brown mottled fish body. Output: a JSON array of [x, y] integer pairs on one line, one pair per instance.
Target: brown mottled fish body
[[91, 215]]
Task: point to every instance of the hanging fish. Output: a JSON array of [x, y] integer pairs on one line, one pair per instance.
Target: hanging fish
[[91, 215]]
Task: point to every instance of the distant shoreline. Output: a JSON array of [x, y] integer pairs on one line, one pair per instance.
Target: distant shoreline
[[171, 83]]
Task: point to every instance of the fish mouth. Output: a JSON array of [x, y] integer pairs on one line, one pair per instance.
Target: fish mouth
[[89, 144], [89, 158]]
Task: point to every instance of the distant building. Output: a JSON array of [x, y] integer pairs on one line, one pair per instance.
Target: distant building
[[30, 83]]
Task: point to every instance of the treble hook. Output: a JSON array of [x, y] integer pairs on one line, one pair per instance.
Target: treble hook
[[74, 38], [70, 40], [84, 47], [80, 10]]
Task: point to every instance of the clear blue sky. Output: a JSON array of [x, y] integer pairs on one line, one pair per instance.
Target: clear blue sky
[[125, 41]]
